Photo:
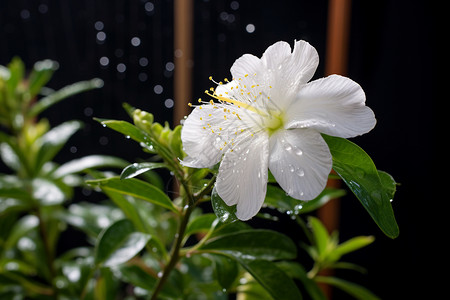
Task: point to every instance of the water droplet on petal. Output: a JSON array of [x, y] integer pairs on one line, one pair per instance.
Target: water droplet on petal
[[298, 151], [291, 168], [287, 147], [300, 172]]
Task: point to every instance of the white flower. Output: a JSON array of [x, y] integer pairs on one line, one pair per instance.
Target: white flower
[[270, 117]]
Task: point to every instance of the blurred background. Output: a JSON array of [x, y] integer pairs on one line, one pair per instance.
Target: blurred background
[[131, 45]]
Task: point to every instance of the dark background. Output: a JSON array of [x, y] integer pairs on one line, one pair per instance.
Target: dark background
[[391, 55]]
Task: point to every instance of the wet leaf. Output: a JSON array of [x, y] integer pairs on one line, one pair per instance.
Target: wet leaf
[[358, 171], [119, 243]]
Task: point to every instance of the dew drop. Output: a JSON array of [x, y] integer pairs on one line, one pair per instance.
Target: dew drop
[[291, 168], [237, 186], [298, 151], [287, 147], [300, 172]]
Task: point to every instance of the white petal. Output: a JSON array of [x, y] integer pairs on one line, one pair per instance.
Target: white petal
[[300, 161], [200, 143], [287, 72], [246, 64], [301, 65], [334, 105], [275, 54], [243, 173]]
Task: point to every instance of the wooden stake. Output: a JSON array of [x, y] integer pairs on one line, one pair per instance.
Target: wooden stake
[[336, 62]]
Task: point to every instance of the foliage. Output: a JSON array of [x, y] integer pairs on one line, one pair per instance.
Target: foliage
[[143, 244], [35, 193]]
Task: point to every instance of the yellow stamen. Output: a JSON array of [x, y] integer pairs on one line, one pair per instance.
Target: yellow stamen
[[235, 102]]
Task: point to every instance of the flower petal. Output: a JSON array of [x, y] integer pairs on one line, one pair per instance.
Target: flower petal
[[334, 105], [300, 161], [200, 143], [301, 65], [275, 54], [246, 64], [243, 174]]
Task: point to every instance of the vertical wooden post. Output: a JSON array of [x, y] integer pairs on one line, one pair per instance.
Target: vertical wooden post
[[183, 60], [183, 27], [336, 62]]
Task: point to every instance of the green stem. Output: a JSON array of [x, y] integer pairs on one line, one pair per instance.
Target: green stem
[[49, 253], [175, 252]]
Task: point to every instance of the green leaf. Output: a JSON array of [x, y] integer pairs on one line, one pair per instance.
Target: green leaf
[[272, 278], [48, 192], [11, 153], [136, 188], [295, 270], [88, 162], [254, 244], [119, 243], [350, 245], [40, 75], [276, 198], [351, 288], [133, 211], [320, 234], [175, 143], [107, 286], [129, 130], [9, 157], [358, 171], [20, 229], [91, 218], [225, 213], [137, 276], [136, 169], [52, 141], [64, 93], [14, 188], [201, 223], [16, 70], [30, 285], [226, 270], [388, 183]]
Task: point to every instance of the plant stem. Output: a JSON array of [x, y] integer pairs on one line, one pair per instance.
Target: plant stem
[[49, 255], [174, 253]]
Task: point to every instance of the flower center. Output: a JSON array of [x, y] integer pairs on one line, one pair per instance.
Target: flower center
[[274, 122]]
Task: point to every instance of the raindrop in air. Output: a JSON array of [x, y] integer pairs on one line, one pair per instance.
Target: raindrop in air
[[250, 28], [135, 41], [121, 67], [99, 25]]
